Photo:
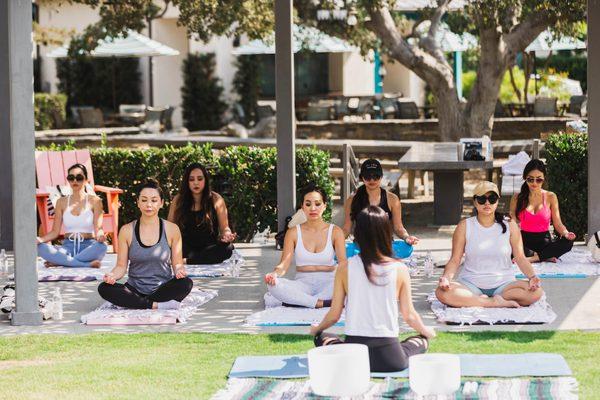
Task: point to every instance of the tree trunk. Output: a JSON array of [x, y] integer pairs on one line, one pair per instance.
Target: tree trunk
[[452, 121]]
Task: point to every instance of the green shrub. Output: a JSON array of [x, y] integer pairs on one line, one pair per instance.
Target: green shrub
[[49, 110], [245, 176], [201, 93], [567, 158], [246, 84]]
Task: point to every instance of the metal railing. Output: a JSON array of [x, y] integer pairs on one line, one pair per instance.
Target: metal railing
[[351, 172]]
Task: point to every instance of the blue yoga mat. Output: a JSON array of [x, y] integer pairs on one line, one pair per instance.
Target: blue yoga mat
[[483, 365], [556, 276], [400, 247]]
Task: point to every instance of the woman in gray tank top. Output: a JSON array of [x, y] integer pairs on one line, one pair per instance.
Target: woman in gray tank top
[[152, 248]]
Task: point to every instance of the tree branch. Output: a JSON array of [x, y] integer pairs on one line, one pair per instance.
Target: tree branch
[[526, 31], [429, 42]]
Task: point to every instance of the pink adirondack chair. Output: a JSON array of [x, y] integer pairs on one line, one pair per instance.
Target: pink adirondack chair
[[51, 170]]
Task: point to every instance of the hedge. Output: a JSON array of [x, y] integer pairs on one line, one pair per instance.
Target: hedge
[[567, 159], [245, 176], [48, 109]]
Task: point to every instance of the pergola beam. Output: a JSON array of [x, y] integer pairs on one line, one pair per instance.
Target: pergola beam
[[17, 131], [286, 124], [593, 109]]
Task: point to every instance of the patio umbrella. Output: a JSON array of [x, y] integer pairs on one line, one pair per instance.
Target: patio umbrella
[[305, 38], [448, 40], [133, 45]]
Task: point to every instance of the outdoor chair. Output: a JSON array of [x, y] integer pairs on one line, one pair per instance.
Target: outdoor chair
[[131, 108], [264, 111], [167, 118], [365, 106], [75, 113], [318, 113], [51, 171], [575, 104], [154, 117], [340, 108], [91, 118], [407, 110], [545, 107], [388, 108], [499, 110]]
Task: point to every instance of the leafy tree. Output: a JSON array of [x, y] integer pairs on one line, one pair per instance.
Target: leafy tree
[[504, 28], [246, 83]]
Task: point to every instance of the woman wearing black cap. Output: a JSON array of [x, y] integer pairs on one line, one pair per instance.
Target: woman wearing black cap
[[372, 194]]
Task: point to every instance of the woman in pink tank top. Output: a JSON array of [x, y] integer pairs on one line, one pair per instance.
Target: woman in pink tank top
[[535, 208]]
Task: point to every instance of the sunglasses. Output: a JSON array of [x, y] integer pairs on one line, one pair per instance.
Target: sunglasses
[[492, 198], [371, 177], [78, 178], [532, 179]]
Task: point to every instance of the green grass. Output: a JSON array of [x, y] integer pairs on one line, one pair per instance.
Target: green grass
[[195, 365]]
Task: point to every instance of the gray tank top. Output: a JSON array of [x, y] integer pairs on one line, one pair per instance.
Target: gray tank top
[[149, 266]]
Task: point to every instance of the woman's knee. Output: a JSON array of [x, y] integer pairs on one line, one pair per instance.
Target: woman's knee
[[104, 289], [442, 295]]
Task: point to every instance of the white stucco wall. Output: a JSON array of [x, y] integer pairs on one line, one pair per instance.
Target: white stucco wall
[[400, 79], [359, 77]]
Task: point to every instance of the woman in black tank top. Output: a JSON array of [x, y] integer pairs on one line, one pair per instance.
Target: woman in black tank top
[[201, 214], [371, 193]]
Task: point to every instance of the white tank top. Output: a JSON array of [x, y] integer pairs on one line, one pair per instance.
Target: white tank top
[[487, 255], [82, 223], [372, 308], [304, 257]]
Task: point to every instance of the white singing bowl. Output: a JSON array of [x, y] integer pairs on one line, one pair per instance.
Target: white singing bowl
[[339, 370], [434, 373]]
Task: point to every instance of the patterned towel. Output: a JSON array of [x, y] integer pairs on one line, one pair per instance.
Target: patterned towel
[[109, 314], [288, 316], [537, 313], [230, 267], [578, 261], [563, 388]]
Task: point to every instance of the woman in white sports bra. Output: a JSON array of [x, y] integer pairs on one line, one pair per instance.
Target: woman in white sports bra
[[81, 215], [314, 246]]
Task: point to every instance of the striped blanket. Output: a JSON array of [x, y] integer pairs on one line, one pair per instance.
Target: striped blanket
[[564, 388]]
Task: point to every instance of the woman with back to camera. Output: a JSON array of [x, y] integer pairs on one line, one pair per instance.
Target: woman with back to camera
[[201, 215], [313, 245], [81, 215], [371, 193], [487, 277], [534, 208], [371, 284], [150, 253]]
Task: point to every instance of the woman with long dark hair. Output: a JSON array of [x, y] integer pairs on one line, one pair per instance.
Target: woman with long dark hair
[[371, 284], [371, 193], [313, 245], [535, 208], [201, 214], [80, 214], [487, 278], [150, 254]]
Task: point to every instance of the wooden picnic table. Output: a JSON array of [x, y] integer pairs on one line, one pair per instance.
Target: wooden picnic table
[[448, 179]]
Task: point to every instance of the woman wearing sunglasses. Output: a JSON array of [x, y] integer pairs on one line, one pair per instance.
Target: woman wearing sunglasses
[[81, 216], [372, 194], [487, 278], [150, 254], [535, 208]]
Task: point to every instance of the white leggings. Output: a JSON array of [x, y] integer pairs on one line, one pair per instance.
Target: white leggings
[[305, 290]]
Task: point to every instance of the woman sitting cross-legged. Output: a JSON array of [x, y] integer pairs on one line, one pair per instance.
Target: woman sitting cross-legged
[[372, 284], [81, 215], [535, 208], [152, 248], [314, 246], [201, 215], [487, 278]]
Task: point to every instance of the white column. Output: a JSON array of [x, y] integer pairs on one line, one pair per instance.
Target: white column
[[593, 109]]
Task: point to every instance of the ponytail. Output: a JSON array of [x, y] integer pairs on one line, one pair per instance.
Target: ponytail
[[522, 199], [360, 201]]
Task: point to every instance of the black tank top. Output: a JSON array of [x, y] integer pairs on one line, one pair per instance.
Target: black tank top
[[383, 203], [197, 232]]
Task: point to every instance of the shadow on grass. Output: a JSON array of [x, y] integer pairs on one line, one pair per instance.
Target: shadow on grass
[[287, 338], [515, 337]]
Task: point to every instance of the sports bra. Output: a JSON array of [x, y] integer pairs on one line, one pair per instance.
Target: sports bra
[[82, 223], [538, 222], [304, 257]]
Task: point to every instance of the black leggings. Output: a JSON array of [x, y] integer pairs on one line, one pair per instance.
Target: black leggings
[[543, 244], [385, 354], [211, 254], [125, 295]]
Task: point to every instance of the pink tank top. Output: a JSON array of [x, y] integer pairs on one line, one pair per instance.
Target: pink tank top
[[538, 222]]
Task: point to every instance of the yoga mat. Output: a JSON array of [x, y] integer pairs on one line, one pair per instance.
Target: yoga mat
[[479, 365], [577, 263], [400, 247], [230, 267], [109, 314], [561, 388], [289, 316]]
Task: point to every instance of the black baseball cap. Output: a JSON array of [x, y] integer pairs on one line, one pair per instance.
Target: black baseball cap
[[371, 167]]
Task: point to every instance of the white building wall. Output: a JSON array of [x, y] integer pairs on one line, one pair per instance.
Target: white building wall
[[400, 79], [359, 79]]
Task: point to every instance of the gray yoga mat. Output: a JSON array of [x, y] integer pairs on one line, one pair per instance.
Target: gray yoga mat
[[483, 365]]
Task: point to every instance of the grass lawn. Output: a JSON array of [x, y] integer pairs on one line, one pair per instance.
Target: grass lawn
[[195, 365]]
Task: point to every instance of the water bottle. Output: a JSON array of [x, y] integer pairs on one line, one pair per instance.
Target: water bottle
[[57, 305], [428, 268], [3, 262]]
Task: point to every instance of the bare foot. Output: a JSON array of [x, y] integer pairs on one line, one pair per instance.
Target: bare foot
[[48, 264], [500, 301], [551, 259], [535, 258], [96, 264]]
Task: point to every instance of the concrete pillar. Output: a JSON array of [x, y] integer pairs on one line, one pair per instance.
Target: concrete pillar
[[286, 119], [16, 131], [593, 109]]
